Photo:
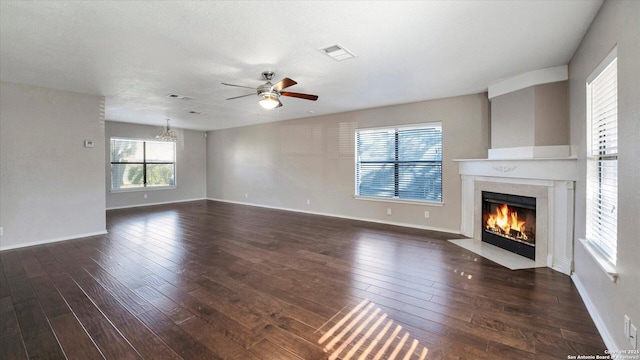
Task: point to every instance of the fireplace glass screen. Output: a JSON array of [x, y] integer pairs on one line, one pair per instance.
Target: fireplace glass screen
[[509, 222]]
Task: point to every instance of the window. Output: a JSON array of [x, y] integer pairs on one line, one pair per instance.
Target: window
[[142, 164], [602, 158], [400, 163]]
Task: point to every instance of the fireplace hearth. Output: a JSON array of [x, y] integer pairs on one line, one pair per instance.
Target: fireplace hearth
[[509, 222]]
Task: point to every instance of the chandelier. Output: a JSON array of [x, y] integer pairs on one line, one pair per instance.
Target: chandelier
[[167, 134]]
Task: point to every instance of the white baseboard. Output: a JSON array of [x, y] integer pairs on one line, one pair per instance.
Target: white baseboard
[[563, 265], [595, 316], [41, 242], [422, 227], [152, 204], [78, 236]]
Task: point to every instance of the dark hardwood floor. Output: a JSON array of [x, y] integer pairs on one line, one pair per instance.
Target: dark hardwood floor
[[211, 280]]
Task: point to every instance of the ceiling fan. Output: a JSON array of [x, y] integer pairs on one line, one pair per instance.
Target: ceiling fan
[[270, 93]]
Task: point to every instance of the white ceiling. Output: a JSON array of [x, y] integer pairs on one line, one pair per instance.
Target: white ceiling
[[136, 52]]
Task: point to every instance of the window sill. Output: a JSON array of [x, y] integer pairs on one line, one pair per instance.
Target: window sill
[[602, 262], [115, 191], [399, 201]]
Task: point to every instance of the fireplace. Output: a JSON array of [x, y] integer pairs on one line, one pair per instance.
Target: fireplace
[[549, 181], [509, 222], [539, 165]]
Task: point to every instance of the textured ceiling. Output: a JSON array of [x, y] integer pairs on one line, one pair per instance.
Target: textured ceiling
[[136, 52]]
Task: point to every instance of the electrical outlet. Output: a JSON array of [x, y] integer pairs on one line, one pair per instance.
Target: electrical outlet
[[388, 211], [145, 196], [246, 195], [627, 323], [633, 336], [426, 214], [308, 202]]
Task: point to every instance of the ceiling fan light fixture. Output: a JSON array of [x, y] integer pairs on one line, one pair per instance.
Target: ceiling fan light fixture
[[269, 100], [269, 94]]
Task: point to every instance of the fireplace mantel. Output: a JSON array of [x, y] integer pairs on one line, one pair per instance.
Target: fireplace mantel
[[550, 180], [564, 168]]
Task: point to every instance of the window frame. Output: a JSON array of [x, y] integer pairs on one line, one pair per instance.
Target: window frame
[[144, 164], [396, 199], [598, 160]]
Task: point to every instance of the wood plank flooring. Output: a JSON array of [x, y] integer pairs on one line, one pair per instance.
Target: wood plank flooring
[[212, 280]]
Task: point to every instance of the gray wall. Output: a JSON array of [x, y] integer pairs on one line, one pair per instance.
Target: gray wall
[[191, 154], [552, 114], [285, 164], [51, 186], [513, 119], [533, 116], [618, 22]]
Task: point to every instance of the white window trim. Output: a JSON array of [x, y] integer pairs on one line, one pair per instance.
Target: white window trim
[[591, 248], [145, 188], [138, 189], [604, 264], [403, 127], [398, 200]]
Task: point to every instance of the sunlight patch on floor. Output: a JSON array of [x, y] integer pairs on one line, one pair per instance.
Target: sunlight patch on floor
[[365, 332]]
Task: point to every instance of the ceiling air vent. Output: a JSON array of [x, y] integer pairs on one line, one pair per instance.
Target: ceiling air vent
[[337, 52]]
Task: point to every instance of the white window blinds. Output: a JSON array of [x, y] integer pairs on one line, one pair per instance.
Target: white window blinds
[[400, 163], [139, 164], [602, 160]]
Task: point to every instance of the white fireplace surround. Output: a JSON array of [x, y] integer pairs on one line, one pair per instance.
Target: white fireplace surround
[[550, 180]]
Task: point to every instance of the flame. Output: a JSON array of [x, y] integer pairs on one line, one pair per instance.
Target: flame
[[506, 220]]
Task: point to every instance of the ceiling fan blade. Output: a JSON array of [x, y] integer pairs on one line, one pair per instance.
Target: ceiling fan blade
[[236, 97], [284, 83], [299, 95], [246, 87]]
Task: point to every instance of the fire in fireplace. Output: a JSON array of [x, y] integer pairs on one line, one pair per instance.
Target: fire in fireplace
[[509, 222]]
